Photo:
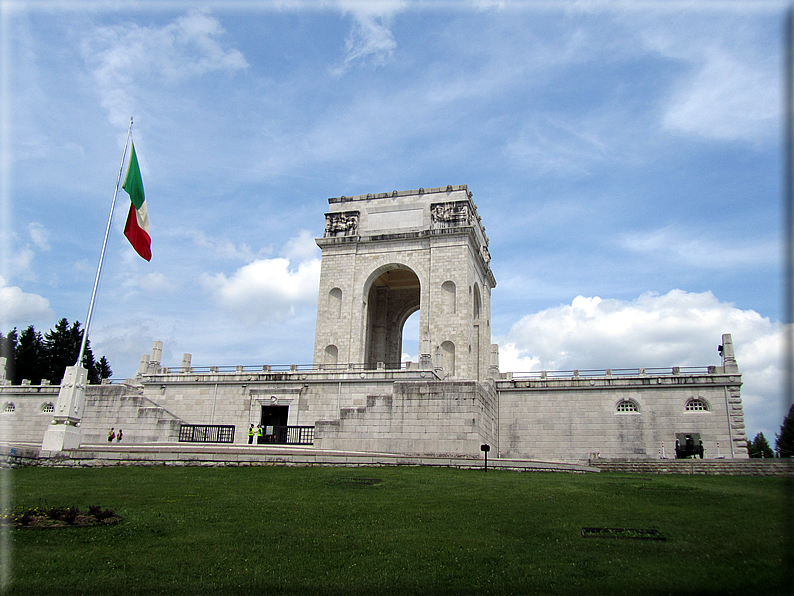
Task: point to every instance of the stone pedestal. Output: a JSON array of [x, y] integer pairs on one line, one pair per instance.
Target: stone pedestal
[[63, 432], [61, 436]]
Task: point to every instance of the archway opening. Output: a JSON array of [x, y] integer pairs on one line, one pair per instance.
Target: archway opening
[[410, 350], [393, 297]]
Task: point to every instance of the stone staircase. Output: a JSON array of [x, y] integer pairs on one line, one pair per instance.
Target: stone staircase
[[125, 407]]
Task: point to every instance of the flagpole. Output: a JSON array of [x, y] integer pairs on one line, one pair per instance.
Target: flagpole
[[104, 246]]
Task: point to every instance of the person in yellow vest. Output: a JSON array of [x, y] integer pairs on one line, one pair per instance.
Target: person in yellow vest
[[251, 435], [259, 432]]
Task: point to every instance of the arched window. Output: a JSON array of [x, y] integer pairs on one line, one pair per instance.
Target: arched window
[[476, 302], [448, 293], [448, 356], [697, 404], [47, 408], [331, 354], [627, 406], [9, 407], [335, 303]]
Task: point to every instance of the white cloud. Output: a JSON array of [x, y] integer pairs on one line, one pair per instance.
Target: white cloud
[[302, 247], [727, 98], [674, 329], [730, 87], [370, 41], [222, 247], [265, 290], [684, 248], [19, 308], [122, 57], [39, 235], [152, 283]]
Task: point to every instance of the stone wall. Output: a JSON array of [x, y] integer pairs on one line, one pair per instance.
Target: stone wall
[[106, 406], [743, 467], [573, 418], [417, 418]]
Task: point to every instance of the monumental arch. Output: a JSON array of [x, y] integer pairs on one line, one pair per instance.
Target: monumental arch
[[387, 255]]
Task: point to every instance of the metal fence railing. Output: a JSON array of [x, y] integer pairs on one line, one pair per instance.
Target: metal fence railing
[[287, 435], [206, 433]]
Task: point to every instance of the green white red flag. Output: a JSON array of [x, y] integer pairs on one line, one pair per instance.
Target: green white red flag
[[137, 228]]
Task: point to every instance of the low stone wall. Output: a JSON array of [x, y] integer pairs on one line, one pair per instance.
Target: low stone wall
[[218, 456], [740, 467]]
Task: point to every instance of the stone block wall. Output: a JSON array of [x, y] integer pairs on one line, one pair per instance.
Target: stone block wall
[[106, 406], [573, 419], [423, 418]]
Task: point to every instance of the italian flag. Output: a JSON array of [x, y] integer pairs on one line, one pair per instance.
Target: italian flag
[[137, 228]]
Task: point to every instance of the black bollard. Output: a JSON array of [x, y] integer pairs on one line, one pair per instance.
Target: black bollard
[[485, 449]]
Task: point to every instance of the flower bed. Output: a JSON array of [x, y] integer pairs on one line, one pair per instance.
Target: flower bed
[[60, 517]]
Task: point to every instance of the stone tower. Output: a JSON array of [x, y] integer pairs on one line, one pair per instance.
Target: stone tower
[[387, 255]]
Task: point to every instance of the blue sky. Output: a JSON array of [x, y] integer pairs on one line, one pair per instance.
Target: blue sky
[[625, 159]]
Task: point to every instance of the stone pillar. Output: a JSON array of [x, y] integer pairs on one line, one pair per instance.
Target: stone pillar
[[185, 366], [156, 357], [425, 359], [144, 365], [493, 365], [728, 355], [64, 433], [3, 361]]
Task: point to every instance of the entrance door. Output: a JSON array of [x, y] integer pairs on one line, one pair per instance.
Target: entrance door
[[274, 421]]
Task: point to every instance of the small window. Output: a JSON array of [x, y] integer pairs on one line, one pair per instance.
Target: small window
[[628, 405], [697, 405], [9, 407], [47, 408]]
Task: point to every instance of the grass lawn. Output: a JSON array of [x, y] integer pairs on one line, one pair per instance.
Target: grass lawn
[[328, 530]]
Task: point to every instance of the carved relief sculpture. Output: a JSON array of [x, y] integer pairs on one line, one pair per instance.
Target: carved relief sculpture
[[341, 224], [450, 215]]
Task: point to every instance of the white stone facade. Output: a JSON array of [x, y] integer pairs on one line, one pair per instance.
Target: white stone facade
[[384, 256]]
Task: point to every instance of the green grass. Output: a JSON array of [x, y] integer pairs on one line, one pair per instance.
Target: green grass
[[323, 530]]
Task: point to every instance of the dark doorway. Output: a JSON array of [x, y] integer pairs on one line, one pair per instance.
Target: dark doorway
[[274, 423]]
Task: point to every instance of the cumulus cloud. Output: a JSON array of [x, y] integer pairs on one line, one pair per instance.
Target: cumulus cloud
[[121, 56], [675, 329], [20, 308], [266, 290], [302, 247]]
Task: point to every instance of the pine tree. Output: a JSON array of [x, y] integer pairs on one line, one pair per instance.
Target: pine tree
[[784, 442], [8, 346], [60, 350], [759, 447], [29, 356], [104, 368]]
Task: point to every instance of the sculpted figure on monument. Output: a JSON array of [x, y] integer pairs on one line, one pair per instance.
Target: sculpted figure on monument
[[452, 214], [341, 224]]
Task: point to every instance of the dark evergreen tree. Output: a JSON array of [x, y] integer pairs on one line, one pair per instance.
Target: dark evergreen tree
[[784, 442], [759, 447], [30, 356], [104, 368], [8, 347], [62, 345], [61, 350]]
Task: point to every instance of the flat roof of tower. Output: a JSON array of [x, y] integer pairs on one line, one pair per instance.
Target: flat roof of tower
[[400, 193]]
